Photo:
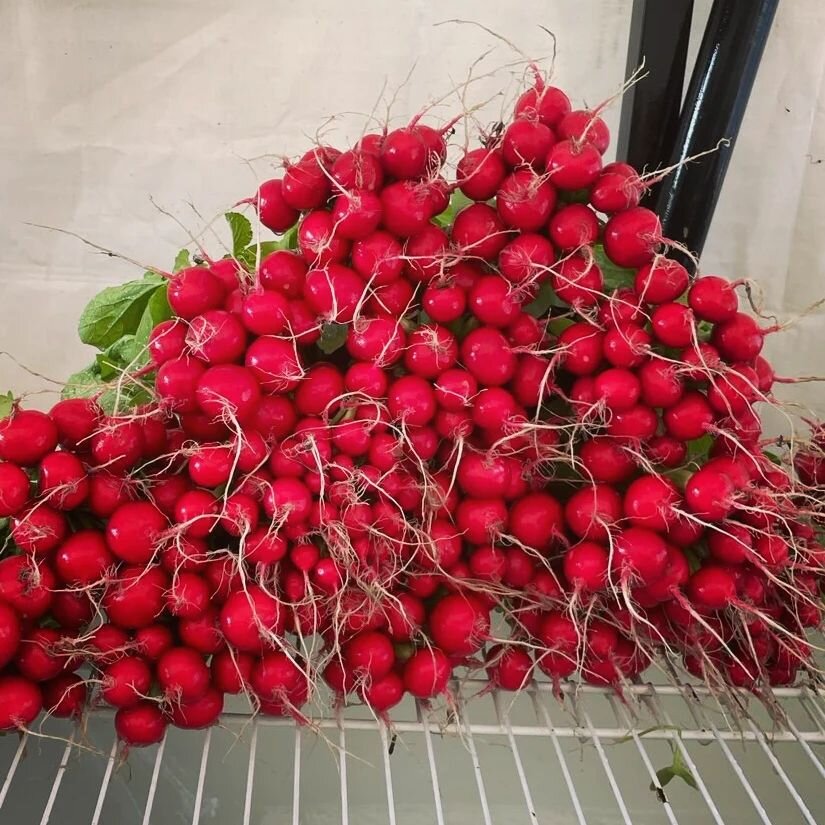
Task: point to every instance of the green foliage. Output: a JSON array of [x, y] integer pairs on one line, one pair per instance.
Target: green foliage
[[241, 232], [544, 300], [333, 337], [615, 277], [6, 404], [182, 260], [677, 768], [458, 200]]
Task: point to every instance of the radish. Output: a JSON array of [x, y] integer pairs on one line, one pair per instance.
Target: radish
[[193, 291], [126, 682], [606, 461], [369, 656], [709, 494], [591, 512], [64, 696], [135, 597], [140, 725], [585, 566], [277, 680], [77, 418], [71, 610], [152, 641], [632, 237], [21, 702], [83, 558], [26, 436], [689, 418], [661, 281], [382, 694], [639, 555], [478, 232], [739, 338], [305, 185], [273, 211], [673, 325], [713, 299], [582, 125], [231, 671], [37, 656], [134, 531], [651, 501], [27, 585], [117, 444], [524, 201], [578, 281], [537, 520], [509, 667], [572, 164], [480, 173], [547, 103], [10, 630], [358, 169], [182, 675], [427, 673], [250, 618], [200, 713], [14, 488], [459, 625], [572, 227]]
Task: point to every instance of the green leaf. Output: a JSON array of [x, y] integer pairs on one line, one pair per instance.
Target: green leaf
[[699, 448], [157, 310], [680, 769], [6, 404], [84, 383], [614, 276], [663, 775], [241, 232], [332, 338], [182, 260], [557, 326], [545, 299], [116, 311], [121, 355]]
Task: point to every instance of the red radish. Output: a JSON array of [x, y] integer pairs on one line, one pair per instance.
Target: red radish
[[134, 531], [27, 585], [83, 558], [731, 543], [660, 383], [582, 125], [135, 598], [358, 169], [661, 281], [637, 424], [305, 185], [509, 667], [478, 232], [581, 348], [202, 633], [617, 189], [573, 226], [407, 207], [524, 201], [106, 644], [250, 618], [71, 610], [283, 271], [548, 103], [126, 682], [480, 173], [369, 656], [639, 555], [591, 512], [459, 624], [667, 451], [526, 259], [277, 678], [182, 674], [689, 418], [709, 494], [526, 142], [712, 587], [318, 242], [382, 694], [152, 641], [117, 445], [632, 237], [537, 520], [200, 713], [740, 338], [21, 701], [673, 325], [14, 488], [216, 336], [481, 520], [405, 614], [231, 671], [619, 389], [334, 291], [488, 357], [713, 299], [76, 418], [606, 461], [408, 152], [193, 291], [425, 254], [627, 346], [188, 596], [651, 501], [577, 280], [26, 436], [621, 310], [573, 165], [586, 565], [427, 673], [64, 696], [9, 633], [273, 211], [229, 392], [140, 725], [38, 657]]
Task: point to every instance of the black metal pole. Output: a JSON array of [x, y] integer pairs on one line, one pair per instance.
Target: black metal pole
[[714, 105], [659, 35]]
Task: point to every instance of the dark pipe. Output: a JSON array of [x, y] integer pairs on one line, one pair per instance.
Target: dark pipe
[[659, 35], [720, 86]]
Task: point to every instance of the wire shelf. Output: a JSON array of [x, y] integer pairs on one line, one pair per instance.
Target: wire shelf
[[589, 756]]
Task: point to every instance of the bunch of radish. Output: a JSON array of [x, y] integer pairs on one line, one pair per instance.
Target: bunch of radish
[[449, 392]]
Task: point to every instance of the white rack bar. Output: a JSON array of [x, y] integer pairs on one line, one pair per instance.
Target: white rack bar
[[643, 715]]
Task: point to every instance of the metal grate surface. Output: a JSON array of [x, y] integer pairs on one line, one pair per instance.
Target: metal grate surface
[[589, 757]]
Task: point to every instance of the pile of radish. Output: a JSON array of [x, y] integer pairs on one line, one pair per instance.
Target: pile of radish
[[448, 391]]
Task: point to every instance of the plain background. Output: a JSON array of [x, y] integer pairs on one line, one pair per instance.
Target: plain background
[[106, 104]]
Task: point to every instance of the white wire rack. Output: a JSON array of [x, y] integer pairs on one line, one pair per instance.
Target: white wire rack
[[587, 757]]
